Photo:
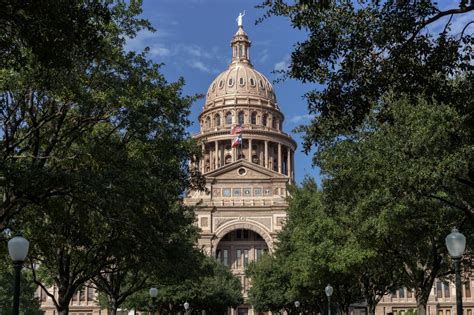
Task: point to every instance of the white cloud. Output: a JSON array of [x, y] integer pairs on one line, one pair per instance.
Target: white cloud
[[262, 56], [300, 119], [282, 65], [157, 51], [196, 64]]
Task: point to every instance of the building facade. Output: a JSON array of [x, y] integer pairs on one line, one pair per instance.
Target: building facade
[[247, 161]]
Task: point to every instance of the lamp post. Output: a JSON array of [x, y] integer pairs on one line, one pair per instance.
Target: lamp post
[[186, 307], [297, 305], [18, 249], [153, 295], [456, 243], [329, 290]]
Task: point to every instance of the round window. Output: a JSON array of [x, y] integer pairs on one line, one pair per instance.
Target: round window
[[252, 82], [221, 84], [231, 82], [241, 81], [242, 171]]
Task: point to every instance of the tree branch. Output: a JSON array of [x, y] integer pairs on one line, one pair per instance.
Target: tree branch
[[437, 17]]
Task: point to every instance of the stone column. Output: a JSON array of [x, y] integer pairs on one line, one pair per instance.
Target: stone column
[[216, 154], [288, 162], [266, 154], [250, 151], [260, 154], [203, 159], [292, 165], [279, 157]]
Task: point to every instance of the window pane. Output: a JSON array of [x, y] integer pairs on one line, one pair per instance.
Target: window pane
[[241, 118], [246, 257], [258, 254], [90, 294], [225, 257], [238, 258], [439, 291], [446, 290], [228, 119], [467, 289], [401, 293]]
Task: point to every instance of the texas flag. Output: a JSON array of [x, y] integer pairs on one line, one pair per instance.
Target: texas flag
[[236, 129], [237, 140]]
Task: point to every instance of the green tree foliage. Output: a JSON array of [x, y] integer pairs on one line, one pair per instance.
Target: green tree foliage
[[314, 249], [133, 271], [391, 179], [95, 148], [360, 50], [207, 286]]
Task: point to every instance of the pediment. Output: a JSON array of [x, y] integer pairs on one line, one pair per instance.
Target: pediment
[[244, 170]]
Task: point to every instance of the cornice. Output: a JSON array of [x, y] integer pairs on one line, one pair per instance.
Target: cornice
[[225, 133]]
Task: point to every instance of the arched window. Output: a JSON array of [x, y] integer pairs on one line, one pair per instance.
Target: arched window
[[253, 118], [217, 120], [228, 118], [274, 122], [241, 118], [264, 119], [208, 122]]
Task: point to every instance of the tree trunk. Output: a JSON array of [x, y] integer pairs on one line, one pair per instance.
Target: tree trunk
[[420, 308], [62, 311], [371, 308], [112, 307]]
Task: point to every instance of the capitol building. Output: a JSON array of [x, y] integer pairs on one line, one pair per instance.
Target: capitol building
[[248, 161]]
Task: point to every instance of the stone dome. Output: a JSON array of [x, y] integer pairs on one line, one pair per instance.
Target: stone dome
[[240, 79]]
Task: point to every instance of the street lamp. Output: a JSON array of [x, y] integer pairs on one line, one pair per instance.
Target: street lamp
[[153, 295], [456, 243], [297, 305], [329, 290], [186, 307], [18, 249]]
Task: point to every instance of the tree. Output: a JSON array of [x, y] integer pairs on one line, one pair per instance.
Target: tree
[[60, 78], [95, 147], [271, 288], [134, 270], [315, 248], [207, 286], [359, 51], [388, 179]]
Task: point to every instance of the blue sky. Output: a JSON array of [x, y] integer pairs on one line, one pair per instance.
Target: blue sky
[[192, 40]]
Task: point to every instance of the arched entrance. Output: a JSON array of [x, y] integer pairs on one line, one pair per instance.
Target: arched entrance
[[237, 249]]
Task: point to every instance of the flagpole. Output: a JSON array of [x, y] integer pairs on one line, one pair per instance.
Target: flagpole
[[241, 141]]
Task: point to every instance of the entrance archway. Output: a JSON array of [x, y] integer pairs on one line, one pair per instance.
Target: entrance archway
[[237, 249]]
